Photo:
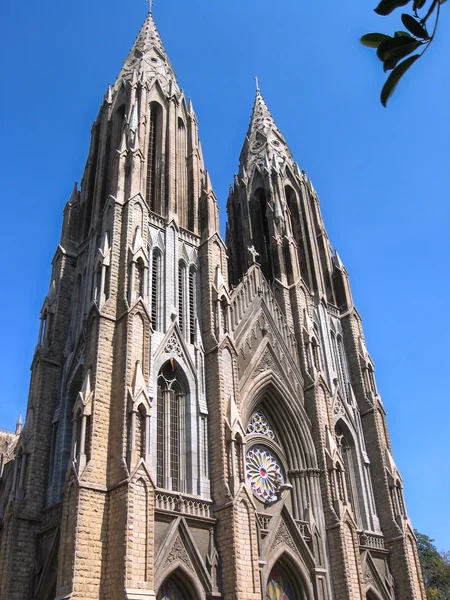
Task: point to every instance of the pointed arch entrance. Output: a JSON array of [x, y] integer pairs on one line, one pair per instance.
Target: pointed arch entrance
[[284, 583], [179, 586]]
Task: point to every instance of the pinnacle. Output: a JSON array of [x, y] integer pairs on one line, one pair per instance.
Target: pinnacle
[[147, 58], [261, 118], [264, 146]]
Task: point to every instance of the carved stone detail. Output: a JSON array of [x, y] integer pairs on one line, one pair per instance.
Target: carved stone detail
[[178, 552], [369, 578], [267, 363], [284, 537], [173, 346]]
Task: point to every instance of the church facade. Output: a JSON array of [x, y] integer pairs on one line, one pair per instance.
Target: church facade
[[203, 419]]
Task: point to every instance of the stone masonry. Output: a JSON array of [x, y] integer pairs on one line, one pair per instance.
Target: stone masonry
[[203, 419]]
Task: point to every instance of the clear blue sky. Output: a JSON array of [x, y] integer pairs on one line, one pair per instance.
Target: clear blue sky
[[381, 174]]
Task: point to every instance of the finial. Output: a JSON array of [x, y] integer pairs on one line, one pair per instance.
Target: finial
[[151, 4], [252, 250], [19, 425], [257, 83]]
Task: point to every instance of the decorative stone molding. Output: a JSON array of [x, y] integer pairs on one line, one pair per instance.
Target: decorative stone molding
[[182, 504], [178, 552], [284, 537], [173, 346]]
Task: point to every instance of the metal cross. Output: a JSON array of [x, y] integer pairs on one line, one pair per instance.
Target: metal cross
[[257, 83], [253, 252], [151, 4]]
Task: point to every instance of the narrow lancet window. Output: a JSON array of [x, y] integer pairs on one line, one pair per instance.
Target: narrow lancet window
[[181, 293], [192, 301], [171, 451], [182, 175], [152, 157], [156, 290]]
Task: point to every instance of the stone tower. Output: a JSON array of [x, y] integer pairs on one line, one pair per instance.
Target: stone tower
[[203, 420]]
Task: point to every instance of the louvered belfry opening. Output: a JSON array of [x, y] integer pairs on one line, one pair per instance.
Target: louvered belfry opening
[[181, 288], [152, 158], [192, 300], [156, 290]]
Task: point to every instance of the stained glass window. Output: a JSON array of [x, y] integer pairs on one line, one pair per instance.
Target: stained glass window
[[169, 591], [263, 472], [259, 424], [278, 585]]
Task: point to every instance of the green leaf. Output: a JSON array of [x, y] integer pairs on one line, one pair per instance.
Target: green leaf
[[399, 53], [402, 34], [387, 6], [414, 27], [394, 78], [388, 65], [388, 46], [373, 40]]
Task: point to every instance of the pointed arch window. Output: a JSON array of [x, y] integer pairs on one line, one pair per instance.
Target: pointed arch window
[[171, 430], [156, 290], [260, 231], [152, 157], [371, 379], [315, 354], [347, 448], [343, 372], [182, 296], [170, 591], [264, 469], [192, 303], [279, 586], [182, 207]]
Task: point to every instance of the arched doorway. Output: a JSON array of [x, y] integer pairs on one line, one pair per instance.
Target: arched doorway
[[171, 590], [279, 585]]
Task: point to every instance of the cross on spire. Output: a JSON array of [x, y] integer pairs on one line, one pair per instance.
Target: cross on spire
[[256, 81], [151, 4]]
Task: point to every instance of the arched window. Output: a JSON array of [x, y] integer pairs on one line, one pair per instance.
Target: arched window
[[260, 231], [192, 303], [371, 379], [96, 286], [293, 205], [141, 434], [156, 290], [170, 591], [152, 157], [139, 278], [343, 372], [182, 207], [171, 429], [347, 448], [224, 315], [43, 330], [315, 353], [182, 296], [264, 470], [279, 586]]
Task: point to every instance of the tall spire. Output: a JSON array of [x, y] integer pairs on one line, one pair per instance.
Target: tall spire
[[264, 143], [148, 60]]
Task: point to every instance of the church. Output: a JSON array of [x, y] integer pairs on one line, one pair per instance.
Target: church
[[203, 419]]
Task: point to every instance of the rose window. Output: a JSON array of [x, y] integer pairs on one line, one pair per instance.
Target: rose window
[[263, 472]]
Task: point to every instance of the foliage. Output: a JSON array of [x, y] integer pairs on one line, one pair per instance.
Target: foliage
[[391, 50], [435, 568]]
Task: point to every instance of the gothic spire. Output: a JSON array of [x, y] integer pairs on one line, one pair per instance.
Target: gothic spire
[[148, 60], [264, 144]]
